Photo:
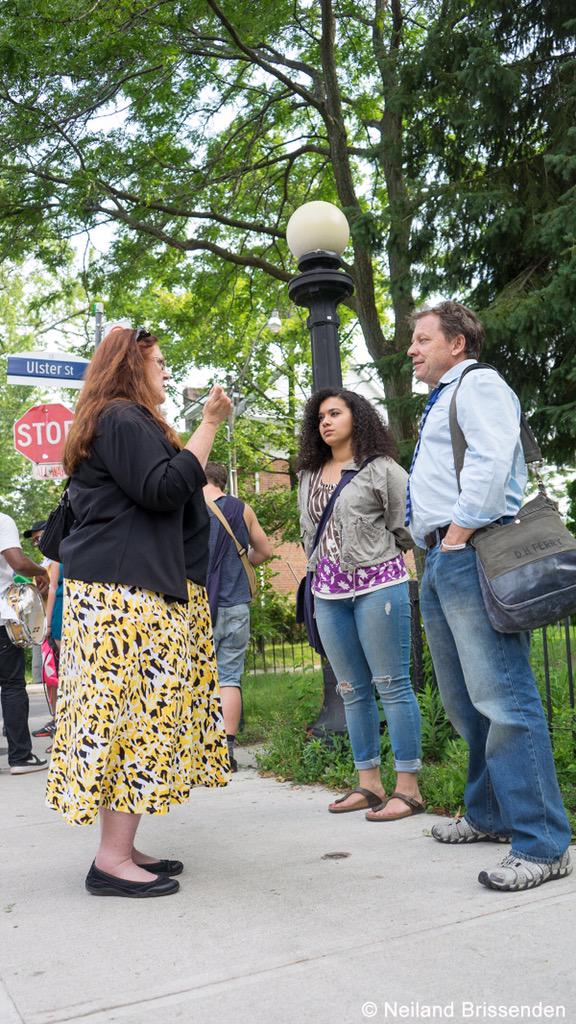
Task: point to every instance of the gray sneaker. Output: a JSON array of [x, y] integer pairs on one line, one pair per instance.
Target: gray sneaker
[[514, 874], [461, 831]]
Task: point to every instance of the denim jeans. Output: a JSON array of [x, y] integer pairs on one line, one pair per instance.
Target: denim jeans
[[491, 698], [367, 642], [231, 636], [14, 700]]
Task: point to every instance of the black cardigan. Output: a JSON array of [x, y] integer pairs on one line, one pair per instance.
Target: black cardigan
[[137, 500]]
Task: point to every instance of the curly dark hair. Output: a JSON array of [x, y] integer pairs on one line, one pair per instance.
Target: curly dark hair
[[369, 434]]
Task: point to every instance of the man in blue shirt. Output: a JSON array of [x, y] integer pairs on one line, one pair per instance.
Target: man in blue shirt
[[485, 678]]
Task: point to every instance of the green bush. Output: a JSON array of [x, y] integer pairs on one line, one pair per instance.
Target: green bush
[[437, 731], [272, 615]]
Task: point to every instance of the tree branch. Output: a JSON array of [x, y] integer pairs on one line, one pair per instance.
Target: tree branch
[[64, 320], [257, 59], [192, 244]]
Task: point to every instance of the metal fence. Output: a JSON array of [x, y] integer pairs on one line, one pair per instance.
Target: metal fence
[[272, 654], [553, 652], [558, 643]]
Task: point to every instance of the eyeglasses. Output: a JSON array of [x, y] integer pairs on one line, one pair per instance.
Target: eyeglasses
[[161, 363]]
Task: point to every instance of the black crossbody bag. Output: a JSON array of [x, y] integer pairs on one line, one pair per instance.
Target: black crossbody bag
[[58, 526]]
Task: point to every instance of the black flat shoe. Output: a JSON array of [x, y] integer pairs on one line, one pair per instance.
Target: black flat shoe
[[164, 867], [100, 884]]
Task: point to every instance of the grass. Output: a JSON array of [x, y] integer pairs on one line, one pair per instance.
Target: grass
[[271, 700]]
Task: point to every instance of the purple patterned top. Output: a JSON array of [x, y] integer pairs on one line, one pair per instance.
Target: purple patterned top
[[331, 582]]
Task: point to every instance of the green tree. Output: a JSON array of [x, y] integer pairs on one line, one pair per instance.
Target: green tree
[[33, 305], [443, 128]]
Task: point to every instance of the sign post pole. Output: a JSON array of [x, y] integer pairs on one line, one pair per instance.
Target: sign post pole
[[98, 322]]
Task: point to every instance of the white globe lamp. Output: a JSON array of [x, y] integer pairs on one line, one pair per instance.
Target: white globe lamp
[[317, 226]]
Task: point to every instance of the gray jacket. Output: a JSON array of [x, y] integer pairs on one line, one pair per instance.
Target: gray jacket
[[368, 515]]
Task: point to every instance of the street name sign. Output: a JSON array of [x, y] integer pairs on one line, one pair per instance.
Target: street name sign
[[48, 369]]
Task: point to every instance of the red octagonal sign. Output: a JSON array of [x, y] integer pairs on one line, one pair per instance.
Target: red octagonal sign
[[41, 432]]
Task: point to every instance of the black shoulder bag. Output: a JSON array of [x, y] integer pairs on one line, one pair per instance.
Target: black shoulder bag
[[58, 526], [527, 568]]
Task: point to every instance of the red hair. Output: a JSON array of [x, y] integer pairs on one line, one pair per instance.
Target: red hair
[[117, 372]]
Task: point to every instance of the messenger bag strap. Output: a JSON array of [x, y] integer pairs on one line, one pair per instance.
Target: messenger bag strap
[[530, 446], [242, 552]]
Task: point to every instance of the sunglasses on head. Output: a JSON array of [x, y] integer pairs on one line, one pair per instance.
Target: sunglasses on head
[[141, 332]]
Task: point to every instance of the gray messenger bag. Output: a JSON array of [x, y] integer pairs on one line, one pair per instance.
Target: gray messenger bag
[[527, 568]]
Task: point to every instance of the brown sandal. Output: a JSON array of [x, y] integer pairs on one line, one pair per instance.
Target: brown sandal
[[413, 806], [372, 800]]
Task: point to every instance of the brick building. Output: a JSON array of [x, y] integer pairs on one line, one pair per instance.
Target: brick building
[[289, 562]]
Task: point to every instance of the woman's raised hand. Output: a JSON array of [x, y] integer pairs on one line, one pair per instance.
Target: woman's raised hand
[[217, 407]]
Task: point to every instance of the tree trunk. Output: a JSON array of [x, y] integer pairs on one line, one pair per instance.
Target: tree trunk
[[391, 155], [397, 386]]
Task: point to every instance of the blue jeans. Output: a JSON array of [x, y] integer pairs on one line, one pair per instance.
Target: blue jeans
[[491, 698], [231, 637], [367, 642]]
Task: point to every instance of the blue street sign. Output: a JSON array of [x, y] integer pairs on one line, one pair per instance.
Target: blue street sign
[[48, 369]]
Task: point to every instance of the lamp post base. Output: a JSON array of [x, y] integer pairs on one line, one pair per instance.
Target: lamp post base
[[331, 718]]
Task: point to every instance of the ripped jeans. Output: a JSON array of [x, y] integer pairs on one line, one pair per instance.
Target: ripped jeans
[[367, 642]]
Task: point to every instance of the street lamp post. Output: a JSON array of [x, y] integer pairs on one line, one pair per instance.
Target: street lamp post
[[317, 233], [98, 323]]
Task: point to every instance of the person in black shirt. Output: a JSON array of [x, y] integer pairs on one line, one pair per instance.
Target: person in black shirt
[[139, 719]]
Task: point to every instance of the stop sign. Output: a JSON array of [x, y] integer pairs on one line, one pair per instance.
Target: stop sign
[[41, 432]]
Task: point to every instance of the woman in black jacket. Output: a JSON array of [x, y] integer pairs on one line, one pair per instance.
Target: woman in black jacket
[[138, 717]]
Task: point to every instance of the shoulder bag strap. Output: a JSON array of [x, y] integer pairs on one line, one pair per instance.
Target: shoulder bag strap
[[242, 552], [346, 477], [530, 445]]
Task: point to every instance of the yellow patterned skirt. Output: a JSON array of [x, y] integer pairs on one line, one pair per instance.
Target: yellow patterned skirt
[[138, 721]]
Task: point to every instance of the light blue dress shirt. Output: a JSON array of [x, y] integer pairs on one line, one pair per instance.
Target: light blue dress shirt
[[494, 474]]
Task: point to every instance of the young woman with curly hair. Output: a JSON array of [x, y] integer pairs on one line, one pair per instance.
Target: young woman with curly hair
[[360, 588], [138, 720]]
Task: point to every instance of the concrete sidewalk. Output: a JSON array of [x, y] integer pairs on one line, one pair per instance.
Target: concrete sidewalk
[[267, 928]]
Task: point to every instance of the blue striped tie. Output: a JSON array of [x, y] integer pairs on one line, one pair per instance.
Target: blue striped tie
[[432, 397]]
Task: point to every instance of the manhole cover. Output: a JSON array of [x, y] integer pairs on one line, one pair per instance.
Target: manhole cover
[[334, 856]]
